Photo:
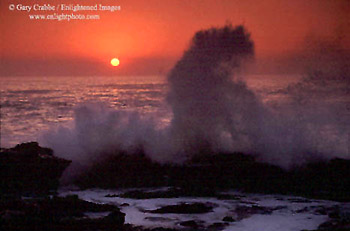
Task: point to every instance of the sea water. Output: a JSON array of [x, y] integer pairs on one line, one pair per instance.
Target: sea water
[[288, 213], [31, 105]]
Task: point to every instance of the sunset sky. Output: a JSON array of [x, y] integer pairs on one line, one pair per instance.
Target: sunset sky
[[148, 36]]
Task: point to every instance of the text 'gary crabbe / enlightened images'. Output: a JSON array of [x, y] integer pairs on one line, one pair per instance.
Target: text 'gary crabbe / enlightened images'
[[63, 12]]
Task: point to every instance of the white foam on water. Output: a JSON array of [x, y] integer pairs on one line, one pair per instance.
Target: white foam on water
[[285, 218]]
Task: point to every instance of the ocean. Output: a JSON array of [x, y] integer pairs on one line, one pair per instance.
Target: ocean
[[286, 119], [32, 105]]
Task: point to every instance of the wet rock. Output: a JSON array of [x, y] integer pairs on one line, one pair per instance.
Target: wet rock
[[206, 174], [334, 214], [57, 213], [228, 219], [223, 196], [328, 225], [115, 218], [299, 200], [31, 148], [71, 206], [10, 215], [217, 226], [248, 202], [328, 180], [334, 225], [158, 219], [139, 194], [185, 208], [123, 170], [303, 210], [174, 192], [322, 210], [112, 195], [30, 169], [192, 224], [344, 213], [158, 229], [247, 211], [279, 207], [339, 219]]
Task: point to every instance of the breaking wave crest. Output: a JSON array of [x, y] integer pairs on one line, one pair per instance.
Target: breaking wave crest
[[213, 111]]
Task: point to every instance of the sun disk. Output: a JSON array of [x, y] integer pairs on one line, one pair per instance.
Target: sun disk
[[115, 62]]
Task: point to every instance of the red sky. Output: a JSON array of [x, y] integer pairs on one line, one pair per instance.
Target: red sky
[[148, 36]]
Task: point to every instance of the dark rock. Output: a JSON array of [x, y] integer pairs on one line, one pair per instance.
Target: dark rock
[[57, 207], [218, 226], [30, 169], [279, 207], [57, 214], [324, 180], [71, 206], [223, 196], [299, 200], [327, 225], [112, 195], [192, 224], [158, 229], [334, 225], [228, 219], [185, 208], [122, 170], [339, 219], [334, 214], [158, 219], [170, 193], [321, 210], [303, 210], [139, 194], [115, 218], [247, 211], [32, 148], [205, 175], [344, 213]]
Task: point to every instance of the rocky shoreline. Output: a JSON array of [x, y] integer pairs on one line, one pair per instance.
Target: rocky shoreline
[[204, 175], [30, 179], [71, 213], [30, 169]]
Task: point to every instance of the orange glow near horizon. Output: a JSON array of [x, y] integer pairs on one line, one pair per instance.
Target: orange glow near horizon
[[162, 29]]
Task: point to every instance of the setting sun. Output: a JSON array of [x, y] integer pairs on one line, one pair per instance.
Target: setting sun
[[115, 62]]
